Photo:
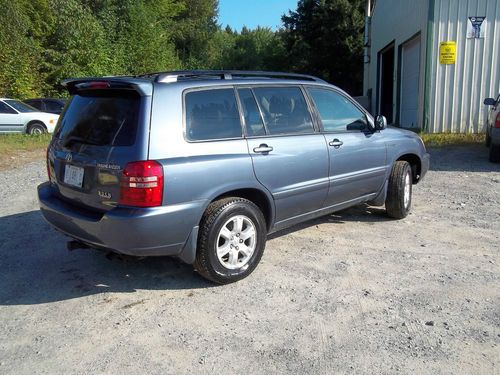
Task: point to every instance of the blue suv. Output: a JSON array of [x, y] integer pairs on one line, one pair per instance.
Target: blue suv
[[203, 165]]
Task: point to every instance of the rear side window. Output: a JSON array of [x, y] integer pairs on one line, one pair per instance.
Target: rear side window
[[284, 109], [103, 121], [53, 106], [212, 114], [337, 113]]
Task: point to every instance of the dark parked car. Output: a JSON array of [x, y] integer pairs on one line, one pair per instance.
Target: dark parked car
[[203, 165], [493, 128], [47, 104]]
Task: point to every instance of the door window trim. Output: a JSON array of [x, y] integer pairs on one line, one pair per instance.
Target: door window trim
[[315, 129], [350, 100]]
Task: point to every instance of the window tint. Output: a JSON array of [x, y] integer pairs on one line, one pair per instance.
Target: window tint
[[5, 109], [103, 121], [253, 121], [284, 109], [212, 114], [53, 106], [337, 112], [34, 103]]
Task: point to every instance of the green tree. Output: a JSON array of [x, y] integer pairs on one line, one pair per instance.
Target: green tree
[[325, 38]]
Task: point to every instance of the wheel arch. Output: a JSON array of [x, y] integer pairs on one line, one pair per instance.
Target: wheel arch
[[415, 164], [31, 122], [256, 196]]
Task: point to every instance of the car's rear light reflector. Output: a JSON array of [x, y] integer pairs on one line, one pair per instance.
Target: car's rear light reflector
[[497, 121], [142, 184]]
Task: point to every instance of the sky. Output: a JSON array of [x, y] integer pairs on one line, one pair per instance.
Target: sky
[[253, 13]]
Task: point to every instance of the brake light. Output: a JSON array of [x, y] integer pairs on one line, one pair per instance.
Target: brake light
[[93, 85], [142, 184], [497, 121]]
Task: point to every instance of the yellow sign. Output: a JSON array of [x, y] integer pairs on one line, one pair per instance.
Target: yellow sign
[[447, 52]]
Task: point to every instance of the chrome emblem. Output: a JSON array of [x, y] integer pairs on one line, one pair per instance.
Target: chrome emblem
[[104, 194], [69, 158]]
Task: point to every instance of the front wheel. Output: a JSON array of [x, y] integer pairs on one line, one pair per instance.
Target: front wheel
[[398, 201], [231, 240]]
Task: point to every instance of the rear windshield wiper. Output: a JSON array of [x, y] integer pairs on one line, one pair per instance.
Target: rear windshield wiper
[[74, 139]]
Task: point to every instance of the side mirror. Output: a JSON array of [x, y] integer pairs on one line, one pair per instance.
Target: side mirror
[[490, 101], [380, 122]]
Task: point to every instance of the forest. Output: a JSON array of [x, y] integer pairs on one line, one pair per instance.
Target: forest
[[43, 42]]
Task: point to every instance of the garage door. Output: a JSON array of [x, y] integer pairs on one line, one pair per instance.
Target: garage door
[[410, 78]]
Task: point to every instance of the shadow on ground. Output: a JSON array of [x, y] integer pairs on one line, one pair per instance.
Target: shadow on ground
[[36, 267]]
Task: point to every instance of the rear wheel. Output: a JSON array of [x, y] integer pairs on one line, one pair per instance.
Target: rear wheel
[[231, 241], [398, 201], [36, 128], [494, 153]]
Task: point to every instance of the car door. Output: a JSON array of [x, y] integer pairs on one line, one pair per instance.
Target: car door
[[357, 155], [10, 120], [289, 156]]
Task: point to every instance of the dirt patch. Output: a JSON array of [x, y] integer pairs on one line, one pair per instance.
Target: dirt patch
[[353, 292], [20, 158]]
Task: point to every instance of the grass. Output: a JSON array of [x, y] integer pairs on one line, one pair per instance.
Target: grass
[[451, 139], [23, 142], [19, 149]]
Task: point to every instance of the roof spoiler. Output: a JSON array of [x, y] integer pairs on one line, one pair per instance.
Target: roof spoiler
[[74, 85]]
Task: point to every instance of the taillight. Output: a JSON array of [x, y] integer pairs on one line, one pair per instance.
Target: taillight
[[141, 184], [497, 121]]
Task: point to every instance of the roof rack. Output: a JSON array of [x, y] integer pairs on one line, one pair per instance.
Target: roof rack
[[174, 76]]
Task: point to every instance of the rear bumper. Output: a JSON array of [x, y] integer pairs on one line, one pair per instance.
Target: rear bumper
[[425, 165], [133, 231]]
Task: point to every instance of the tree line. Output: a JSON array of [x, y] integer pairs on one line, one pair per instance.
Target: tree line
[[43, 42]]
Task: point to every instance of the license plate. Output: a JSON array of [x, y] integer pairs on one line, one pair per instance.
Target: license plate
[[73, 176]]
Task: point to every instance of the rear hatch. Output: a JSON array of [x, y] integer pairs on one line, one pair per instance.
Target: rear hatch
[[104, 126]]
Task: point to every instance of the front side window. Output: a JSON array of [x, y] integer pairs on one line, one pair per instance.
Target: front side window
[[212, 114], [284, 109], [5, 109], [337, 113]]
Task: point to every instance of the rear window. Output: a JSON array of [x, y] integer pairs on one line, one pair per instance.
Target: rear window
[[103, 121], [212, 114]]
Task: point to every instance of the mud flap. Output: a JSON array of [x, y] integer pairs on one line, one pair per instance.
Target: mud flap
[[188, 252], [379, 200]]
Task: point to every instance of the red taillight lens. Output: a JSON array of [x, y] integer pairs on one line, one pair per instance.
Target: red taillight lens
[[142, 184], [497, 121]]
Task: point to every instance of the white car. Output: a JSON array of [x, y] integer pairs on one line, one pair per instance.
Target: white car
[[18, 117]]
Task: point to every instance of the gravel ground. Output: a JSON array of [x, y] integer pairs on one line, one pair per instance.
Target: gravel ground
[[352, 292]]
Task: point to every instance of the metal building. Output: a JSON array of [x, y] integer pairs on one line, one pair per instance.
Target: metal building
[[429, 64]]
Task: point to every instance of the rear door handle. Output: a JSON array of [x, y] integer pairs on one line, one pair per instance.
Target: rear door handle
[[336, 143], [263, 149]]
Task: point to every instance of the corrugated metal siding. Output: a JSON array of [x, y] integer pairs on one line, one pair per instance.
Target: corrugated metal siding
[[456, 92]]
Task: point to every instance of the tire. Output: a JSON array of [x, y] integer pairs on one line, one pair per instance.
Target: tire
[[36, 128], [487, 141], [219, 232], [399, 190], [494, 156]]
